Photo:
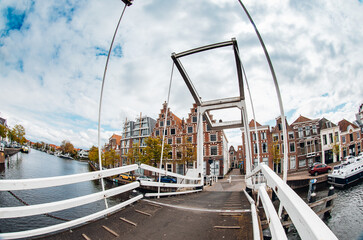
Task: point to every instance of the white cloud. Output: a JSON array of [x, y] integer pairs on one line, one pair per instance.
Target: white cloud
[[315, 47]]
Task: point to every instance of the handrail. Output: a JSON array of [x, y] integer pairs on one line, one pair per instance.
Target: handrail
[[65, 225], [23, 211], [165, 172], [255, 224], [171, 185], [34, 183], [276, 229], [306, 222]]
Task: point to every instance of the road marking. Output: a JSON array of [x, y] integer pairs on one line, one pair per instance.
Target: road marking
[[85, 236], [227, 227], [111, 231], [155, 205], [198, 209], [145, 213], [128, 221]]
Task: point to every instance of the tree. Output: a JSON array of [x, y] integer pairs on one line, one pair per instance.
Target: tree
[[3, 131], [275, 152], [134, 155], [93, 154], [188, 151], [18, 132], [67, 147], [110, 158], [152, 151], [335, 147]]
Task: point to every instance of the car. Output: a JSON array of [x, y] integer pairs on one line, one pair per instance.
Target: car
[[144, 178], [319, 168], [127, 176], [167, 179]]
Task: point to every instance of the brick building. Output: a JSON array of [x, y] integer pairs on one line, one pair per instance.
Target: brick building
[[307, 134], [182, 132], [264, 141], [350, 138]]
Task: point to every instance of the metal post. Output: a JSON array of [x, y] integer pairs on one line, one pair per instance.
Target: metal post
[[330, 202], [200, 143]]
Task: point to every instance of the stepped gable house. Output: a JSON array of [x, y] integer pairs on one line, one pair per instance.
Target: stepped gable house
[[180, 133]]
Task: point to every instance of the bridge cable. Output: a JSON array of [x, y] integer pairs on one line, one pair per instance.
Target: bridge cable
[[45, 214], [166, 116], [100, 105]]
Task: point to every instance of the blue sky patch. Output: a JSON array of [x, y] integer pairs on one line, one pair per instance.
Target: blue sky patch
[[101, 51], [117, 51], [14, 20]]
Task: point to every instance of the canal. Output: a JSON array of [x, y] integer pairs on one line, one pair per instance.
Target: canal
[[346, 221]]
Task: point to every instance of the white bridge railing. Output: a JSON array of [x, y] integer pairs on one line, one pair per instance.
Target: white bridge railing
[[45, 208], [306, 222]]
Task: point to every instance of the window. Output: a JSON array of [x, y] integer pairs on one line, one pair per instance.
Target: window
[[161, 123], [194, 119], [292, 147], [351, 137], [275, 137], [307, 130], [157, 132], [213, 150], [292, 162], [178, 140], [300, 132], [314, 129], [208, 127], [358, 135], [302, 163], [166, 132], [291, 135], [254, 136], [170, 141], [324, 139], [328, 124], [168, 123], [255, 162], [190, 139], [169, 167], [178, 155], [264, 148], [172, 131], [343, 139], [255, 148], [213, 137], [170, 155], [263, 136], [280, 127], [190, 129], [265, 160], [331, 137]]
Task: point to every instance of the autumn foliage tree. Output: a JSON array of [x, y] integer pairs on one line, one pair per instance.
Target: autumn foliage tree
[[152, 152], [188, 151]]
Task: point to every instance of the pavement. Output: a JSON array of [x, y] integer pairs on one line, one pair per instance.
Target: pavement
[[220, 212]]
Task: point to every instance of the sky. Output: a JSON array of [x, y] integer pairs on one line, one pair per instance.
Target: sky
[[53, 55]]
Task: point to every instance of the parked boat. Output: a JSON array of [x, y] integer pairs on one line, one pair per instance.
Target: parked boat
[[66, 155], [25, 149], [351, 170]]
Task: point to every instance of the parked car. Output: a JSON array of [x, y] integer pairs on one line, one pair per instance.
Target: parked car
[[319, 168], [127, 176], [144, 178], [167, 179]]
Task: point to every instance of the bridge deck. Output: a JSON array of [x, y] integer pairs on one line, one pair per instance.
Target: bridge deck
[[205, 215]]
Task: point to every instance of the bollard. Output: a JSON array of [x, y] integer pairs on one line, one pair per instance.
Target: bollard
[[312, 198], [330, 202]]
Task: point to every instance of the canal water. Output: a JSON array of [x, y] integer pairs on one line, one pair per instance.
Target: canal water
[[38, 164], [346, 220]]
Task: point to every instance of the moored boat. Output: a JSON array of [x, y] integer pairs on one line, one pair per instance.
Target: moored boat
[[348, 172], [25, 149]]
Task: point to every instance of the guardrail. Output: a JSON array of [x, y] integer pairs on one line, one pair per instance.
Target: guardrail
[[306, 222], [24, 184], [36, 183]]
